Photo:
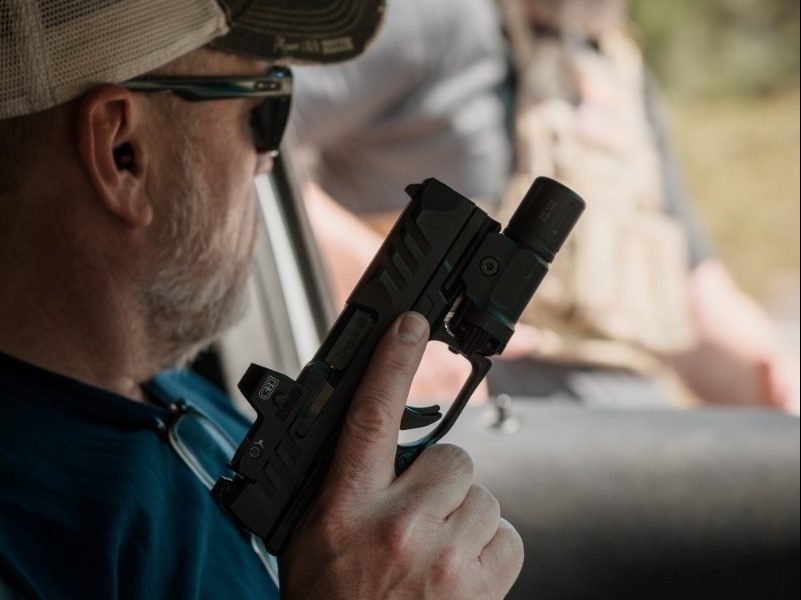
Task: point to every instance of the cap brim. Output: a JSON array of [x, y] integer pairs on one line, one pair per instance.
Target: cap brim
[[312, 31]]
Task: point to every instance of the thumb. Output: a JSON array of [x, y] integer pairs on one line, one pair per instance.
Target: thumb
[[365, 455]]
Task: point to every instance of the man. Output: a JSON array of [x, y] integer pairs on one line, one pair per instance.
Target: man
[[125, 239]]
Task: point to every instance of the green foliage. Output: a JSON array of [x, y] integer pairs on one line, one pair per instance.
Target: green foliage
[[721, 47]]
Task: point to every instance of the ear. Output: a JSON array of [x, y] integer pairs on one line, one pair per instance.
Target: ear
[[112, 149]]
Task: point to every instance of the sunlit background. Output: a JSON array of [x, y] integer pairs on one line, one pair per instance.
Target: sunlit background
[[730, 72]]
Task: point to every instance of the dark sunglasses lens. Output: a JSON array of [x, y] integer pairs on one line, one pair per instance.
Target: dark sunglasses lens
[[268, 121]]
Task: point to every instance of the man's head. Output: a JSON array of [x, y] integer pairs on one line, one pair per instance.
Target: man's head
[[199, 188], [149, 193]]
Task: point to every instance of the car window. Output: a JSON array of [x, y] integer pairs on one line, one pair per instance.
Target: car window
[[290, 308]]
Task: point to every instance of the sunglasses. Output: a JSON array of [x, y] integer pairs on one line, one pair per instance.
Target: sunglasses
[[267, 119]]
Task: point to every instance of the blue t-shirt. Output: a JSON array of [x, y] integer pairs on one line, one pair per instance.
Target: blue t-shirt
[[95, 503]]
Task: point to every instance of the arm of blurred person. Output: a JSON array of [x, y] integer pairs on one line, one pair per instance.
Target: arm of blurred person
[[429, 533], [348, 243], [737, 359]]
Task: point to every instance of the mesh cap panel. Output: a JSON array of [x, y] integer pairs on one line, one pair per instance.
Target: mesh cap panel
[[53, 50]]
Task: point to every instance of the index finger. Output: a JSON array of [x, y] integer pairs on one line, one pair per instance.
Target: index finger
[[365, 454]]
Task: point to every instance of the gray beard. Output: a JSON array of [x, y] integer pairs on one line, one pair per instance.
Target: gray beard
[[187, 311], [196, 290]]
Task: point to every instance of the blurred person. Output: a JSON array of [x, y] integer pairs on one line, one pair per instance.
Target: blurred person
[[636, 295], [639, 286], [126, 235]]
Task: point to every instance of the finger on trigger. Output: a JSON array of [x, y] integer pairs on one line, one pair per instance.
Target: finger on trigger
[[365, 453]]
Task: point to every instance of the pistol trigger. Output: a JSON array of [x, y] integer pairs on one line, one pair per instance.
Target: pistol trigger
[[419, 416]]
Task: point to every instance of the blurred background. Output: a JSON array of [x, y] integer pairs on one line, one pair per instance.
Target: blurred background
[[730, 73]]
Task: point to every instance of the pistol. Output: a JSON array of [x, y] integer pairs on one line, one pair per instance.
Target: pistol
[[446, 259]]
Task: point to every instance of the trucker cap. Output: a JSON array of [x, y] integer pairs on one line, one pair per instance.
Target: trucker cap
[[54, 50]]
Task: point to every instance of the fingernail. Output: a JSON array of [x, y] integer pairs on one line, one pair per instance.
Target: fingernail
[[412, 328]]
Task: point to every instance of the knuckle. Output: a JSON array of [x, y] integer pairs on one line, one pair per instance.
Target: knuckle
[[328, 526], [454, 458], [514, 549], [370, 418], [398, 534], [489, 504], [448, 570], [518, 548], [331, 533]]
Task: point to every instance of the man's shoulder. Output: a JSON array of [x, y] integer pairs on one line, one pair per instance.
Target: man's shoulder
[[104, 488], [184, 384]]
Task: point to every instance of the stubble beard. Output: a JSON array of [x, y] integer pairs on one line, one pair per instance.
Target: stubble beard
[[198, 287]]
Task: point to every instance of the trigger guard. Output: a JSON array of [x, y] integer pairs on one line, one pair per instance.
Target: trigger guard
[[406, 454]]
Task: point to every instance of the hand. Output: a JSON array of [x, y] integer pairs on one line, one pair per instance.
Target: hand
[[737, 360], [430, 533], [780, 383]]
